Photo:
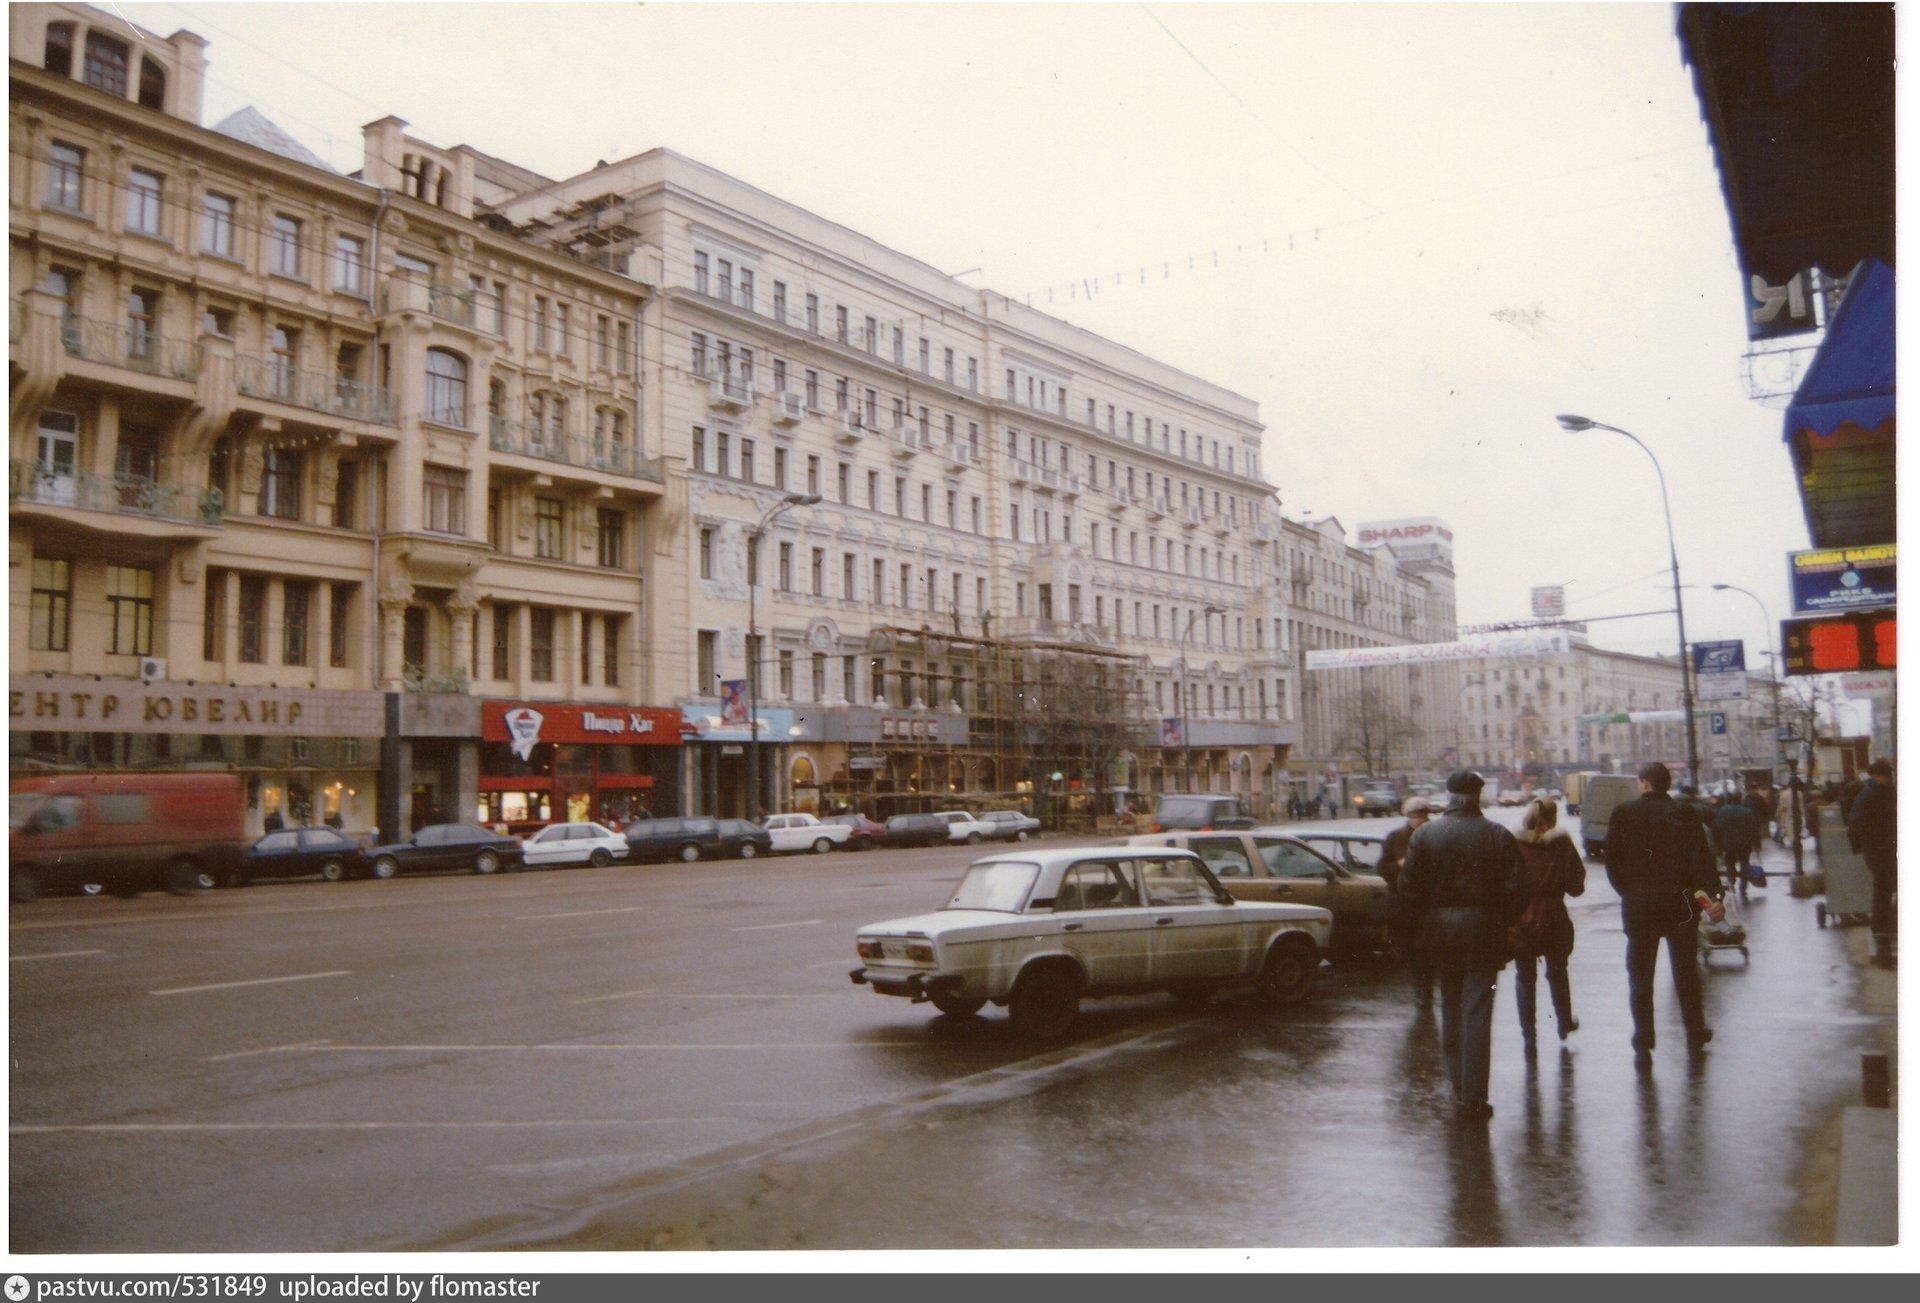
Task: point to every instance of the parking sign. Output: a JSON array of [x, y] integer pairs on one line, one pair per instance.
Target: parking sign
[[1720, 670]]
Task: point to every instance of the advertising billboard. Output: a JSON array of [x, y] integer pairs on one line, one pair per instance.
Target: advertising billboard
[[1720, 670], [1841, 578], [1549, 602], [1415, 538]]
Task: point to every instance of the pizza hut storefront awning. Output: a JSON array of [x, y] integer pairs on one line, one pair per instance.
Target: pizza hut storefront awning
[[544, 761], [1841, 425]]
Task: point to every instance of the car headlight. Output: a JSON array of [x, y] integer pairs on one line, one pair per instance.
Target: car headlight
[[870, 949]]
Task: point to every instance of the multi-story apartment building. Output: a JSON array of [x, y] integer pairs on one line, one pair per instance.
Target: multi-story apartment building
[[314, 477], [1394, 587], [988, 479], [1593, 708]]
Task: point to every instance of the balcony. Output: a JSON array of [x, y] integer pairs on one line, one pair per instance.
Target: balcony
[[1192, 517], [908, 440], [268, 378], [1019, 472], [789, 409], [523, 440], [850, 426], [456, 305], [1156, 508], [959, 456], [1047, 480], [729, 393], [119, 343], [129, 495], [1069, 486]]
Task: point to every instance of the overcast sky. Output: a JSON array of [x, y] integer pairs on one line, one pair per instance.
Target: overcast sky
[[1435, 227]]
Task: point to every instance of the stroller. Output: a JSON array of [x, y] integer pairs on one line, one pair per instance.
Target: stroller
[[1721, 928]]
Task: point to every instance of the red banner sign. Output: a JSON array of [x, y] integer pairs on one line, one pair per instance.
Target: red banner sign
[[523, 725]]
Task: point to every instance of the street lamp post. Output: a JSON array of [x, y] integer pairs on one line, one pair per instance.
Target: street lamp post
[[1581, 423], [753, 642], [1186, 743]]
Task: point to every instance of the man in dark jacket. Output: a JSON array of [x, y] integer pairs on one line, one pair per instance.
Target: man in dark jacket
[[1737, 829], [1657, 858], [1463, 884], [1393, 859], [1872, 828]]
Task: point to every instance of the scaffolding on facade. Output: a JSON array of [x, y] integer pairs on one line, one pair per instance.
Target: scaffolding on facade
[[1055, 727]]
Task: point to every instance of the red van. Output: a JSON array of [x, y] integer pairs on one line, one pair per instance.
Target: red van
[[128, 832]]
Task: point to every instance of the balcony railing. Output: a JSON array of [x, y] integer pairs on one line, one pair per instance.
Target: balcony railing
[[131, 495], [452, 303], [120, 343], [526, 440], [266, 377]]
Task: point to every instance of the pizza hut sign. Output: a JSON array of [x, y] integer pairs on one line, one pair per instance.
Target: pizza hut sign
[[525, 725]]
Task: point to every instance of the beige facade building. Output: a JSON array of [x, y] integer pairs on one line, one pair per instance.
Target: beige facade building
[[1398, 721], [459, 459], [1593, 708]]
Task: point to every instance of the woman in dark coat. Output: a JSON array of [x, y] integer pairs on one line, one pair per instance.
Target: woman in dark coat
[[1554, 872]]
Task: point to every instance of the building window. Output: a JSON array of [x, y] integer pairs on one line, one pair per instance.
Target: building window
[[746, 289], [502, 641], [813, 314], [610, 648], [52, 604], [350, 264], [602, 343], [446, 388], [623, 342], [548, 524], [706, 552], [58, 58], [706, 662], [280, 483], [130, 606], [143, 313], [143, 201], [340, 599], [65, 169], [444, 494], [785, 578], [296, 599], [284, 361], [284, 246], [153, 84], [840, 324], [699, 272], [817, 572], [213, 624], [253, 618], [747, 471], [611, 536], [813, 474], [540, 644], [106, 64], [786, 674], [216, 224], [780, 302]]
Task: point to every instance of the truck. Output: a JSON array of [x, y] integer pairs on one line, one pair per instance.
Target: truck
[[1602, 794], [128, 833]]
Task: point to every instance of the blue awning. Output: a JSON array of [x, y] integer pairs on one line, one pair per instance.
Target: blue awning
[[1852, 377]]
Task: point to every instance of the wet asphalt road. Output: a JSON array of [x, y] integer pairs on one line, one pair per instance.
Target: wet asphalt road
[[671, 1056]]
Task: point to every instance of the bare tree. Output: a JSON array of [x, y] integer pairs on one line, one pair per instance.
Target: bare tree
[[1368, 728]]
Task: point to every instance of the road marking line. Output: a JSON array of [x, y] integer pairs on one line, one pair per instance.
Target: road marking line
[[144, 1127], [57, 954], [271, 1049], [257, 981], [331, 1048], [585, 913], [706, 995], [768, 927]]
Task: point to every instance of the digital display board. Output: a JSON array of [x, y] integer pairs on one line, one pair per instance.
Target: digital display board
[[1841, 644]]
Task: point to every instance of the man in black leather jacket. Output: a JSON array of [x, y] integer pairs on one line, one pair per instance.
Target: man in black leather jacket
[[1463, 884], [1873, 832], [1657, 858]]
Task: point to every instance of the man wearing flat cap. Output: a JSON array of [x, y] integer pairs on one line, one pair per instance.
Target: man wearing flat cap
[[1393, 858], [1464, 884]]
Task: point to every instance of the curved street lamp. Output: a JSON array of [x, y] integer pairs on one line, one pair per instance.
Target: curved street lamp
[[1580, 424], [753, 642], [1186, 742]]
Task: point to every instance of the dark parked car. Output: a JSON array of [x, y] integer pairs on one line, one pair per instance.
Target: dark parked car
[[743, 839], [446, 846], [676, 839], [296, 852], [918, 830], [866, 833], [1199, 812]]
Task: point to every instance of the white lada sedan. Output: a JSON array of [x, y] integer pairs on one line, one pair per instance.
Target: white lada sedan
[[1037, 931]]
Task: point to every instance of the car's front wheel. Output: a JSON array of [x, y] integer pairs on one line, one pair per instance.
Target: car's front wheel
[[821, 845], [486, 862], [688, 854], [334, 871], [1020, 834], [748, 850], [1045, 1003], [1290, 970], [958, 1006], [600, 858]]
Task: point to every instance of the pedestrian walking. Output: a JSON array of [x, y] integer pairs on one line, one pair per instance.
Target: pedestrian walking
[[1331, 801], [1545, 930], [1736, 831], [1464, 885], [1657, 858], [1872, 829], [1393, 859]]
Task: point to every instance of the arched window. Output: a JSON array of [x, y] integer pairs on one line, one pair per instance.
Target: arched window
[[802, 774], [59, 55], [153, 84], [446, 388]]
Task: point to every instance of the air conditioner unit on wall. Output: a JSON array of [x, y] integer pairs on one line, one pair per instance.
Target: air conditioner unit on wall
[[152, 669]]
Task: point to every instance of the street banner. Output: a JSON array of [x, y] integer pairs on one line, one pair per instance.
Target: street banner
[[1720, 670], [1638, 717], [1831, 579], [1531, 643], [733, 702], [1549, 601]]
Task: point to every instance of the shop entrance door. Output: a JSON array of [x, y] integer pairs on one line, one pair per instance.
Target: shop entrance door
[[420, 806]]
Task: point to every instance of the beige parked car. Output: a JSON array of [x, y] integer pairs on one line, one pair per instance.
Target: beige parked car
[[1264, 865]]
